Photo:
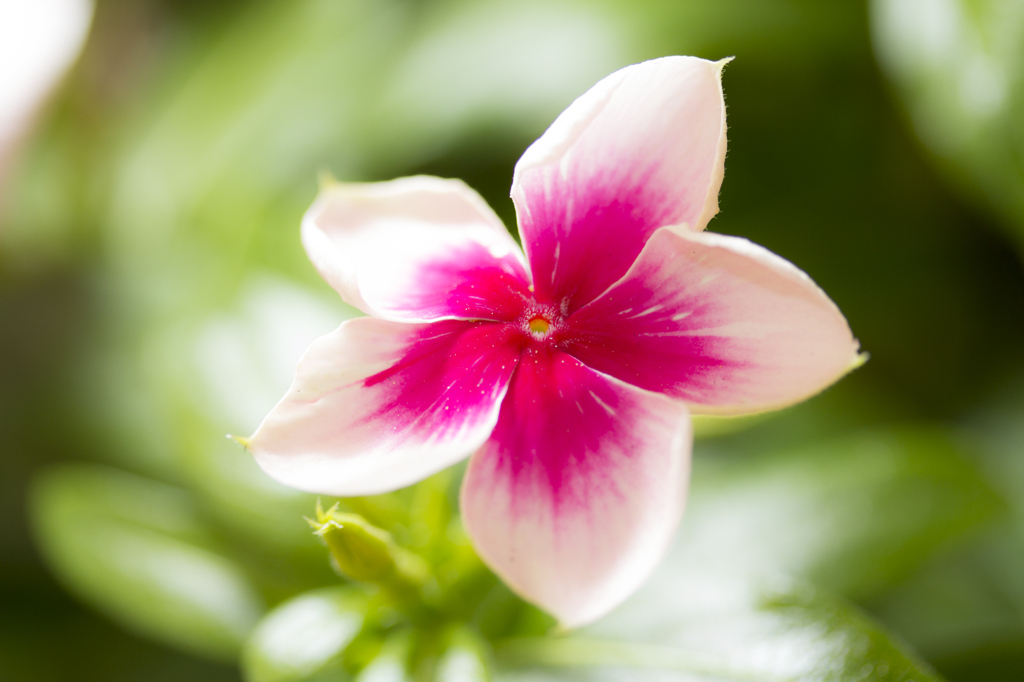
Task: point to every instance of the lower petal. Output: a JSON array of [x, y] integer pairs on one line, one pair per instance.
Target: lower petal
[[576, 496], [378, 405]]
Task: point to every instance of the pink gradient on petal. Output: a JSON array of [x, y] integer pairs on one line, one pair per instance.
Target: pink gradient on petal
[[575, 497], [377, 405], [447, 371], [644, 148], [718, 322], [578, 255], [414, 249], [469, 282]]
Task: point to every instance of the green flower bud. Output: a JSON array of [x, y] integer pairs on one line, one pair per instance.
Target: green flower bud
[[366, 553]]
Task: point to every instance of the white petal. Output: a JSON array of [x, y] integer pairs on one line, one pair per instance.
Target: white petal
[[642, 149], [575, 498], [719, 322], [414, 249], [378, 405]]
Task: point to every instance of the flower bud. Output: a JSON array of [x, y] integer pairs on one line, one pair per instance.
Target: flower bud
[[366, 553]]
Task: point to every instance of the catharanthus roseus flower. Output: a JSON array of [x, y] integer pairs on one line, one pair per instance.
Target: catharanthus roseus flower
[[569, 375]]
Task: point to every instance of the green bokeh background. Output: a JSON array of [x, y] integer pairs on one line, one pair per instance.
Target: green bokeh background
[[154, 296]]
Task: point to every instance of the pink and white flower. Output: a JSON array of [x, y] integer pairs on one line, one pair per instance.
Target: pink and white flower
[[568, 374]]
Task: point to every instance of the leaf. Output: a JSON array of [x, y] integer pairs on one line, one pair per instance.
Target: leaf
[[305, 638], [959, 67], [391, 664], [239, 363], [138, 551], [508, 65], [854, 514], [466, 659], [772, 635], [965, 607]]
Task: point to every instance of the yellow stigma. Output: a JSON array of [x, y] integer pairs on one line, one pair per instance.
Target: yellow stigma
[[539, 325]]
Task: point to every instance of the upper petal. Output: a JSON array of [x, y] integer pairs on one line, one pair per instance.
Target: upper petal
[[576, 496], [643, 148], [378, 405], [717, 321], [417, 248]]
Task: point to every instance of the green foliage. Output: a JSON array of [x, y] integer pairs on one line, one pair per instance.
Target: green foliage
[[139, 551], [467, 658], [392, 660], [788, 633], [305, 638], [959, 67], [855, 513]]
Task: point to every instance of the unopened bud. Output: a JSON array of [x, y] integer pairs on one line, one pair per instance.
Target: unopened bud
[[366, 553]]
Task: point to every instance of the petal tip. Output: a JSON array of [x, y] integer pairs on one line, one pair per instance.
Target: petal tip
[[326, 180], [241, 440]]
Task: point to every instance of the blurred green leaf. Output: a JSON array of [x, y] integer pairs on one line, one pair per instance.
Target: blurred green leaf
[[392, 662], [855, 514], [235, 144], [305, 638], [962, 603], [781, 634], [197, 379], [967, 603], [222, 375], [138, 551], [509, 66], [959, 67], [467, 658], [774, 33]]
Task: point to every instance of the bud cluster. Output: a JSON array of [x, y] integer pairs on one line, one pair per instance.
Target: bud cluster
[[417, 604]]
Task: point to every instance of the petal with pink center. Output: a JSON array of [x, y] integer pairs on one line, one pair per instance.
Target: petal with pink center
[[415, 249], [716, 321], [642, 149], [377, 405], [576, 496]]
